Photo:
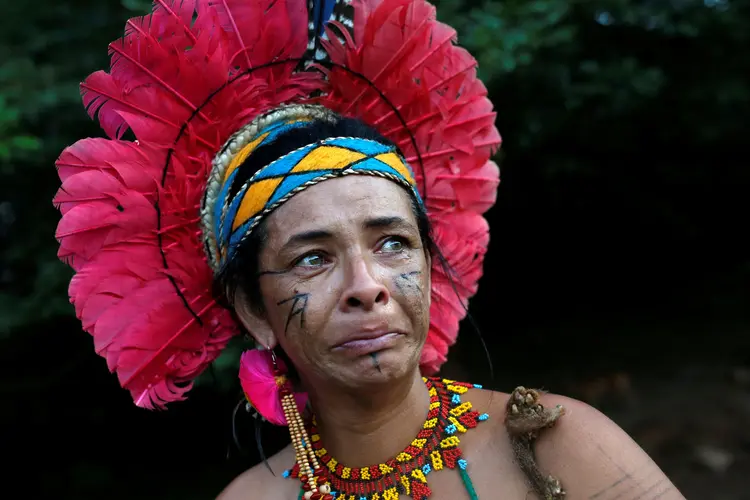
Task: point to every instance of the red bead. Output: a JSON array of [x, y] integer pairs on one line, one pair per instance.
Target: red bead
[[412, 450], [451, 456], [375, 472], [469, 419], [420, 491]]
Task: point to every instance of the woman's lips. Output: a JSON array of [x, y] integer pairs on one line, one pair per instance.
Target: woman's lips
[[366, 346]]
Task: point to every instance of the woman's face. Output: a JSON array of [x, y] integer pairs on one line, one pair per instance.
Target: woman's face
[[346, 282]]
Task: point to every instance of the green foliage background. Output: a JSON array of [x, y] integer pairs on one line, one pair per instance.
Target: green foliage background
[[627, 117]]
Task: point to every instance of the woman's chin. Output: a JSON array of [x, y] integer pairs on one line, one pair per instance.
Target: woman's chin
[[382, 366]]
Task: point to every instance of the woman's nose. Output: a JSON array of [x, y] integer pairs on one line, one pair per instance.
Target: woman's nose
[[364, 290]]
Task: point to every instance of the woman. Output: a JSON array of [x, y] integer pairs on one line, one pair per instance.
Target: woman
[[285, 169]]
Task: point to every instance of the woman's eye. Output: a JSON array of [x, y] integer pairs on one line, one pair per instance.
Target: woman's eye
[[393, 245], [311, 260]]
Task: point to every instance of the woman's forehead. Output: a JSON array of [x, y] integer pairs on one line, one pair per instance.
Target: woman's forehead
[[342, 202]]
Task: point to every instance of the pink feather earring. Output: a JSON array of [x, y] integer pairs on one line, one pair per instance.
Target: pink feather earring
[[264, 382], [268, 389]]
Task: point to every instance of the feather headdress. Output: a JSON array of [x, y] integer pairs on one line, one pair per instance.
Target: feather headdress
[[186, 77]]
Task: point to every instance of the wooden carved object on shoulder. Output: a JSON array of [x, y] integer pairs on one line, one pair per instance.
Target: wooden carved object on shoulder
[[525, 418]]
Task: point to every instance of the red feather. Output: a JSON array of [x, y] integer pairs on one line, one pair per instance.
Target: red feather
[[183, 79], [432, 85]]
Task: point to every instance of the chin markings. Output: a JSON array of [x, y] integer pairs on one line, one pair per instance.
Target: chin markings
[[375, 362]]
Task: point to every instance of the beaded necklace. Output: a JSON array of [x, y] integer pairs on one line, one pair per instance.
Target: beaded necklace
[[434, 448]]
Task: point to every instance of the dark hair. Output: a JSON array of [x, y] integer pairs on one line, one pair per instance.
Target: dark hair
[[241, 272]]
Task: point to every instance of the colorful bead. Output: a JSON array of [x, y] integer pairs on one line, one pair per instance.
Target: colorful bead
[[460, 409], [436, 447], [483, 417], [419, 475]]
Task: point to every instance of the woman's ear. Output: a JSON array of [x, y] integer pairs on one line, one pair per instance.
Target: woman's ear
[[254, 322]]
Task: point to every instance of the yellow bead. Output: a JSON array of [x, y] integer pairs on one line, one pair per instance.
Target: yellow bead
[[450, 442], [461, 409], [459, 427]]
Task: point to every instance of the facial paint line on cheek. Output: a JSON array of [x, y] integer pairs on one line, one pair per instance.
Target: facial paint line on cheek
[[407, 282], [299, 306]]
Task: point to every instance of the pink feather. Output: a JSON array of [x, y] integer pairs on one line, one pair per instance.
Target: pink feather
[[126, 212], [261, 386]]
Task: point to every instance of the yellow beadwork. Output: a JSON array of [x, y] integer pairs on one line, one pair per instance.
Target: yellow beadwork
[[432, 392], [407, 485], [306, 459], [419, 443], [458, 389], [459, 427], [409, 471], [461, 409], [437, 460], [418, 475], [390, 494], [450, 442]]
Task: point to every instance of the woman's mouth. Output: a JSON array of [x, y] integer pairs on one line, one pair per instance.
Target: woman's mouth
[[368, 344]]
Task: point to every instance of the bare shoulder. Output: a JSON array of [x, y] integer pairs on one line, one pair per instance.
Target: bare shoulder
[[260, 482], [591, 456]]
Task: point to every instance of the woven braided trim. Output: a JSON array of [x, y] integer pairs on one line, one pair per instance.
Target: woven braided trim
[[231, 147]]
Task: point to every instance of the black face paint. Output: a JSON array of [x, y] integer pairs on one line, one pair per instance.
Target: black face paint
[[407, 282], [299, 305], [374, 357]]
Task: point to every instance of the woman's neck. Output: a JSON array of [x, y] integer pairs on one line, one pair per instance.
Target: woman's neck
[[372, 426]]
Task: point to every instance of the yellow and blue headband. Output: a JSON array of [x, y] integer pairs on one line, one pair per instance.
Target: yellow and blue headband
[[230, 215]]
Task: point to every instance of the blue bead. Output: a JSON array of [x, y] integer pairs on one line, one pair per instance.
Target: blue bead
[[483, 417], [456, 399], [477, 386], [426, 469], [450, 429], [462, 463], [285, 474]]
